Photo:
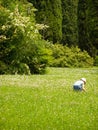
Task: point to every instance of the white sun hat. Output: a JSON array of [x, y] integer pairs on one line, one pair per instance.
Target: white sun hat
[[83, 79]]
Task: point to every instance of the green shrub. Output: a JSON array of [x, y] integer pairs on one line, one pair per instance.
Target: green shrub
[[38, 57], [96, 61], [18, 68], [3, 67], [70, 57], [22, 48]]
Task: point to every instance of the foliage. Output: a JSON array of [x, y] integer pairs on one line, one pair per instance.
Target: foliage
[[69, 22], [96, 61], [92, 23], [43, 102], [19, 35], [61, 17], [22, 50], [38, 57], [50, 13], [70, 57], [3, 67], [87, 24]]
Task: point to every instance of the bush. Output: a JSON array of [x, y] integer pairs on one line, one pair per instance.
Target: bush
[[70, 57], [22, 49], [18, 68], [96, 61], [39, 57], [3, 67]]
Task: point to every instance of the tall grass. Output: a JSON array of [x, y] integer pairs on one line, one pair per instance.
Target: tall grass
[[47, 102]]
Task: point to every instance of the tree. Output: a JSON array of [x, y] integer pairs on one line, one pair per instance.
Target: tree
[[87, 24], [69, 24], [19, 43], [50, 13], [92, 28]]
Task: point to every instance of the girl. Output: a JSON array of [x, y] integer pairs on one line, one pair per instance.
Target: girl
[[79, 85]]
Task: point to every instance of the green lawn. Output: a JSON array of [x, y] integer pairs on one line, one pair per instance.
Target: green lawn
[[48, 102]]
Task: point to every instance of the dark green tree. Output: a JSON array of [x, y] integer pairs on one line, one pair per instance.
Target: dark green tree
[[69, 24], [87, 24], [50, 13], [92, 26], [82, 24]]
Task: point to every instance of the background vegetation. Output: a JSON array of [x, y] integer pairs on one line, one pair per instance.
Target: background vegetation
[[37, 34], [87, 22], [79, 22]]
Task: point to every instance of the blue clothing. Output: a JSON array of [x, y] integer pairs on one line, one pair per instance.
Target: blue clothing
[[78, 85]]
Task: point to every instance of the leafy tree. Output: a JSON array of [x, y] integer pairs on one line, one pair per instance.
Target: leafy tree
[[61, 17], [69, 24], [18, 48], [87, 24], [92, 26], [50, 13]]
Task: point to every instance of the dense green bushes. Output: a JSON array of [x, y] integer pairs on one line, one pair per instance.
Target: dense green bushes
[[96, 61], [21, 48], [64, 56]]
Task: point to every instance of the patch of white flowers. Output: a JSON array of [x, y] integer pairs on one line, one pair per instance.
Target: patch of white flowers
[[41, 26], [23, 23]]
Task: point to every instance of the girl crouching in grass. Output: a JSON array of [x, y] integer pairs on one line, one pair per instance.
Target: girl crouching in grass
[[80, 85]]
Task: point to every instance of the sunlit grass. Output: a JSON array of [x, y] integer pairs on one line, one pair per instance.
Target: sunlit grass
[[47, 102]]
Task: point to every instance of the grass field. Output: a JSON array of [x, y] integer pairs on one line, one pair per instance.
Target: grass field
[[48, 102]]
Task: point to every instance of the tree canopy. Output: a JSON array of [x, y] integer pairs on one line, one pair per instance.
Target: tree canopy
[[71, 22]]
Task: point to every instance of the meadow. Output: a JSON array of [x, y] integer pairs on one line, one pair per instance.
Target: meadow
[[48, 102]]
